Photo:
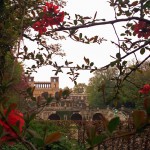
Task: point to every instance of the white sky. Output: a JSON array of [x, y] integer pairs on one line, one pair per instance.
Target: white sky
[[75, 51]]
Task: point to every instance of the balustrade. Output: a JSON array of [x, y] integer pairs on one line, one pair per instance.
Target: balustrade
[[42, 85]]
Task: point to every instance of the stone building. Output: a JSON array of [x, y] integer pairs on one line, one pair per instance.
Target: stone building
[[51, 86], [74, 103], [74, 107], [65, 108]]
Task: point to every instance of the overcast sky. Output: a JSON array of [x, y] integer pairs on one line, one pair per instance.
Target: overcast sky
[[75, 51]]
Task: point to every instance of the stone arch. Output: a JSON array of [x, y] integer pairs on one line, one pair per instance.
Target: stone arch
[[54, 117], [97, 116], [76, 116]]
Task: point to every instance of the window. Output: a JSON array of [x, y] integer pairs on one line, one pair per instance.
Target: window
[[55, 85]]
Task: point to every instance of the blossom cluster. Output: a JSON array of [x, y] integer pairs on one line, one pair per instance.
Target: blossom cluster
[[142, 29], [51, 16], [145, 89], [14, 119]]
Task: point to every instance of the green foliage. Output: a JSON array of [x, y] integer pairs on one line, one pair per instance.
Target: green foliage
[[55, 136], [130, 87], [18, 146], [100, 88], [14, 81], [94, 138], [64, 144], [13, 69], [80, 88]]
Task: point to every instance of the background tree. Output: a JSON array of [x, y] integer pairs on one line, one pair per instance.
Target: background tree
[[131, 86], [101, 87], [80, 88], [15, 83]]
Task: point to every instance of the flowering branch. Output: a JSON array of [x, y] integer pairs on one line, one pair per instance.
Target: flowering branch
[[102, 23]]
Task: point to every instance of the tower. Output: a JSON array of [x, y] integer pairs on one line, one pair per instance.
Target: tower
[[55, 83], [31, 81]]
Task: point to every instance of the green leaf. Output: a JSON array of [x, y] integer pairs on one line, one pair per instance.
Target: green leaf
[[82, 21], [92, 70], [32, 116], [49, 99], [99, 139], [91, 134], [10, 108], [75, 22], [30, 91], [34, 133], [124, 63], [75, 82], [33, 66], [122, 34], [113, 123], [92, 63], [7, 24], [1, 130], [142, 51], [86, 67], [113, 63], [45, 95], [39, 142], [89, 141], [118, 55], [16, 128], [136, 10], [66, 63], [147, 4], [147, 105], [70, 63], [129, 24], [57, 96], [80, 35]]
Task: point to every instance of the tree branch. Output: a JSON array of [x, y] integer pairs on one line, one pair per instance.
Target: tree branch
[[136, 67], [101, 23]]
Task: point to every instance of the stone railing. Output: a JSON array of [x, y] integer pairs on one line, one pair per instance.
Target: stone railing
[[132, 141], [42, 85]]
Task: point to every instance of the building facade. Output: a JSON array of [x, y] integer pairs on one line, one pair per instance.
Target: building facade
[[74, 107], [51, 86]]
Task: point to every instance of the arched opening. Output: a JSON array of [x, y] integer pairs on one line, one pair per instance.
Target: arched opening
[[97, 116], [54, 117], [76, 116]]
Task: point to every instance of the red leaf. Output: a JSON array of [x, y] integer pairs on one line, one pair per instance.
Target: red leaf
[[52, 137]]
